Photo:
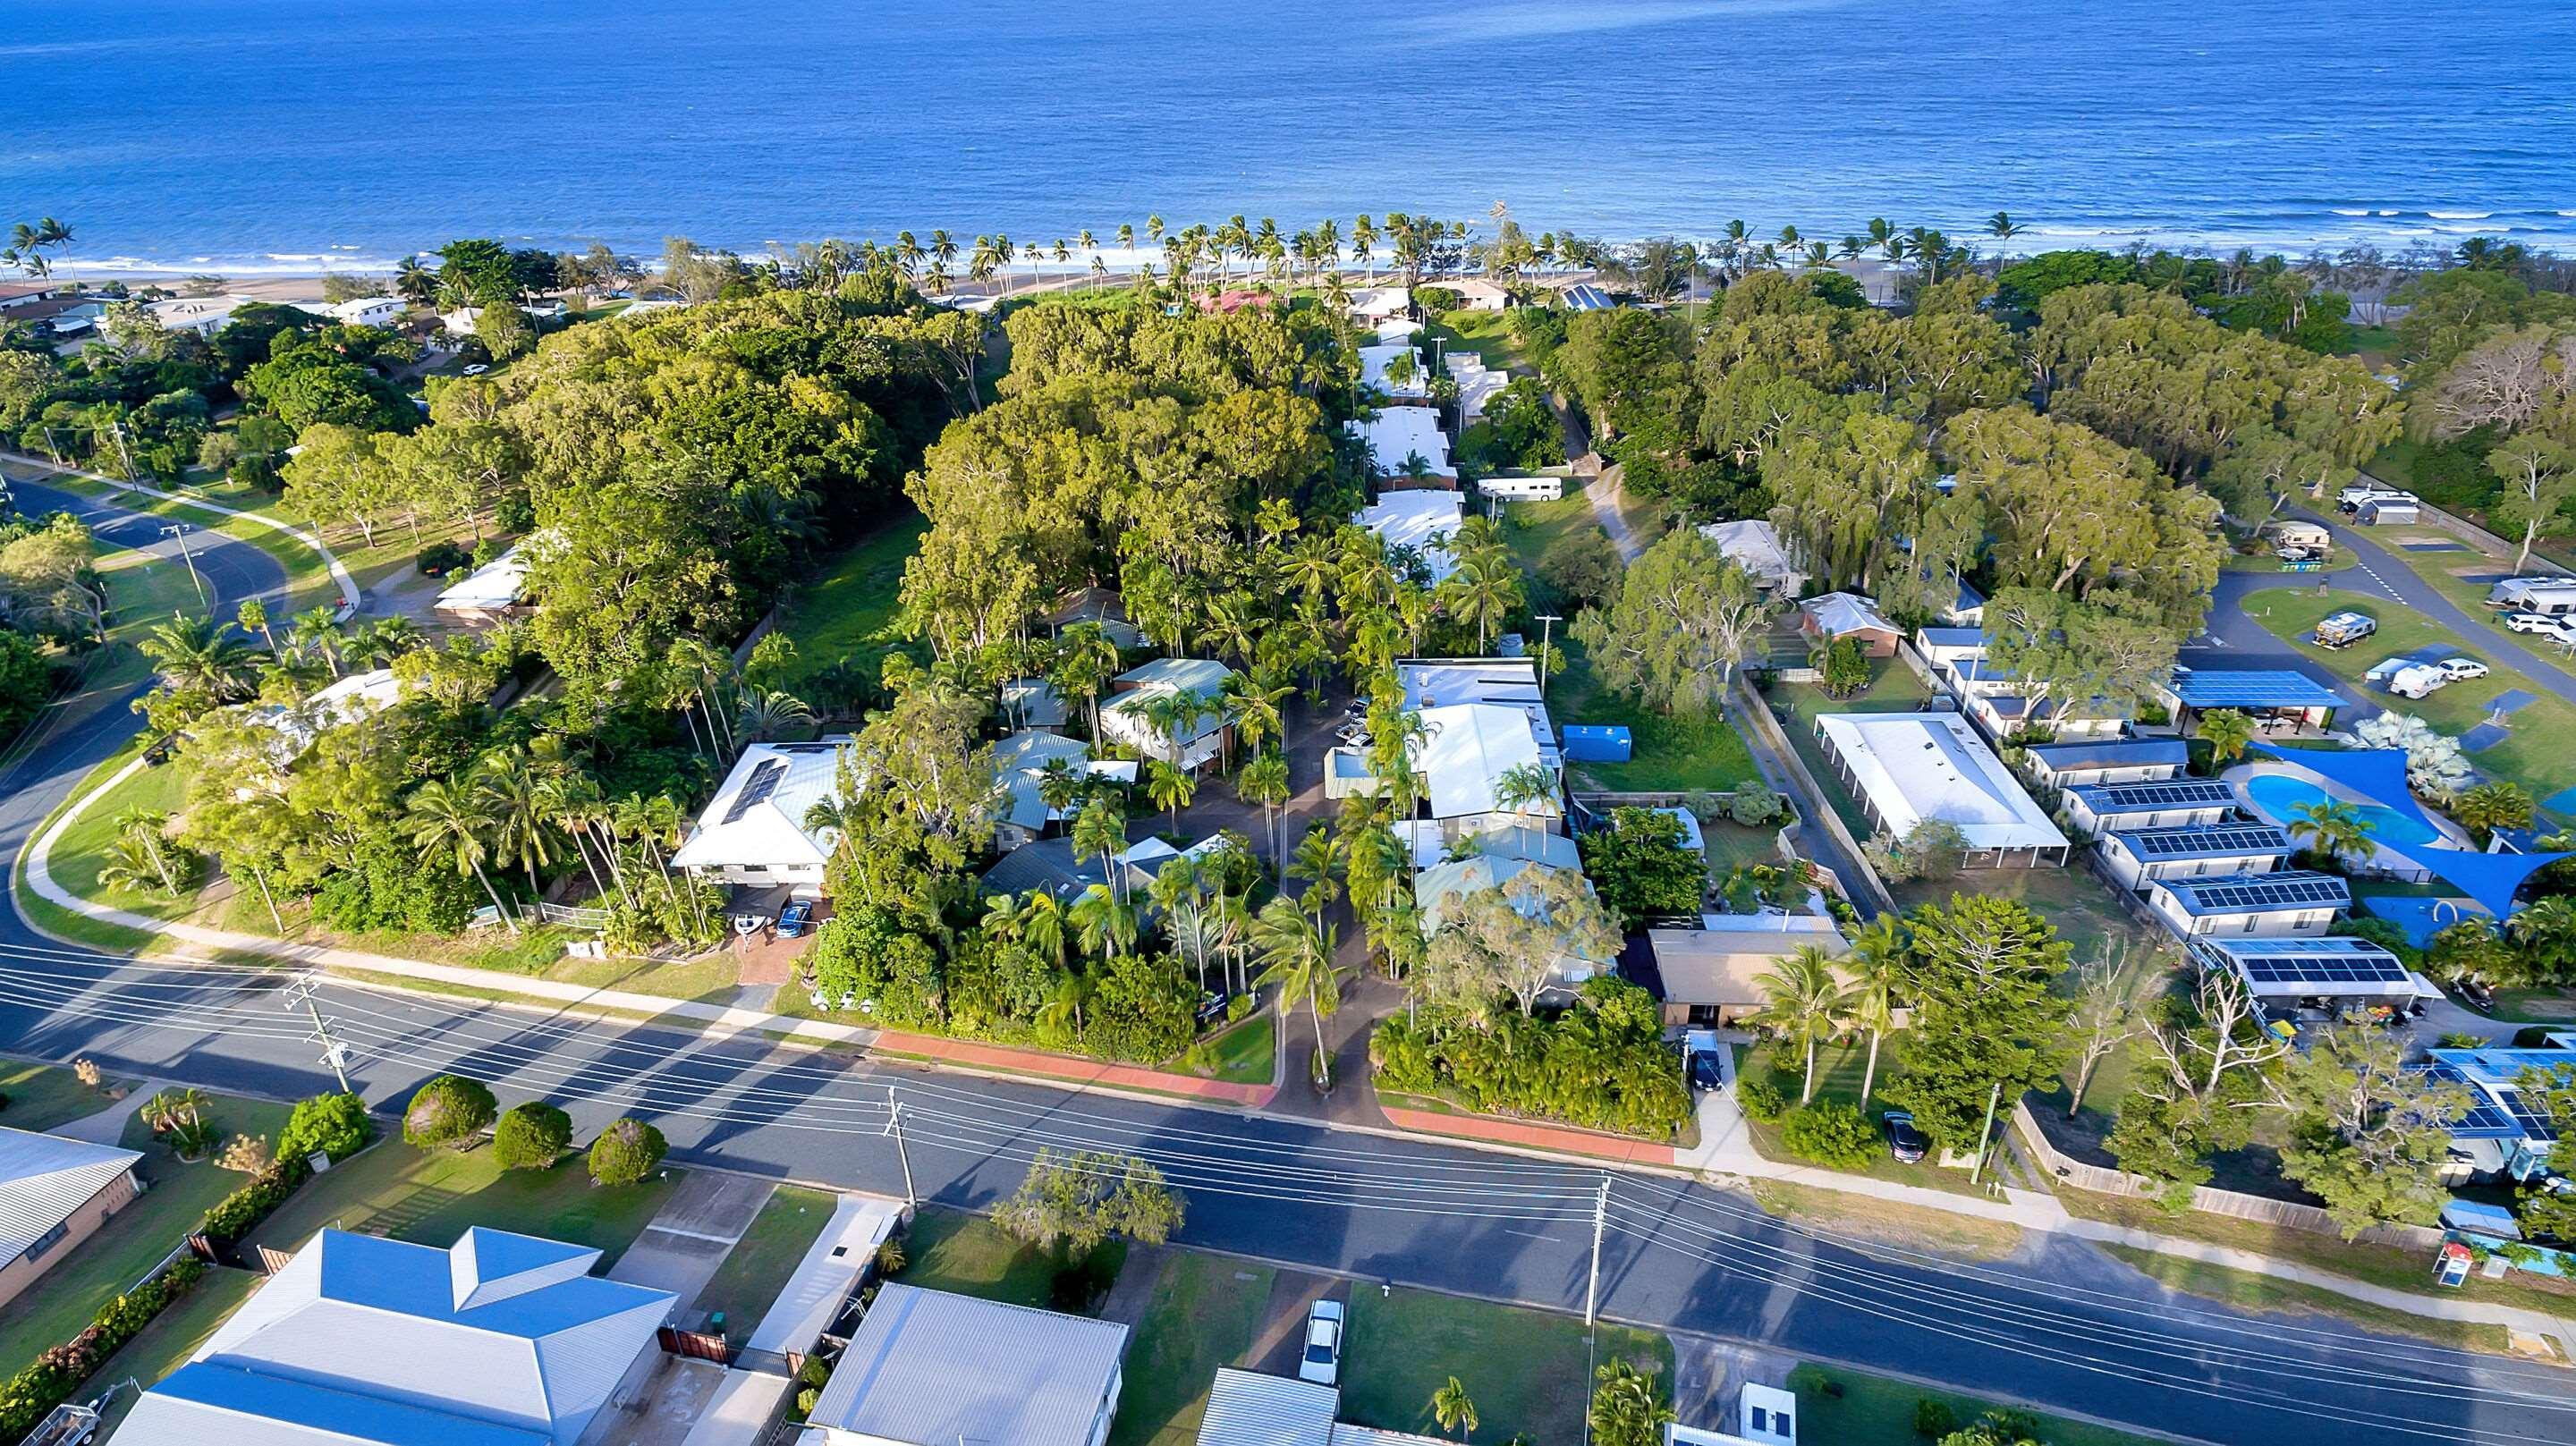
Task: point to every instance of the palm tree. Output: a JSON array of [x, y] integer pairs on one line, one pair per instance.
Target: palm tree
[[1317, 857], [200, 653], [1296, 951], [416, 281], [1451, 1408], [2491, 806], [2003, 226], [2228, 731], [2331, 825], [1803, 1002], [252, 617], [1877, 966], [1087, 659], [2547, 929], [1042, 925], [1063, 1009], [1521, 786], [1100, 832], [1170, 786], [1483, 590], [318, 629], [522, 816], [1103, 921], [773, 714], [1264, 780], [444, 818], [139, 864]]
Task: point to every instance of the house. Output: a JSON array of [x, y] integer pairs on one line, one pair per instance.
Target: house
[[2552, 596], [1764, 1416], [2277, 699], [2322, 978], [2099, 808], [1396, 329], [1704, 976], [2388, 509], [2138, 857], [1246, 1408], [1911, 768], [1584, 296], [1127, 720], [1999, 703], [1422, 521], [1374, 365], [460, 322], [1941, 647], [1047, 866], [1967, 607], [19, 295], [1442, 890], [1535, 487], [54, 1194], [1032, 703], [2107, 760], [1380, 303], [2503, 1135], [2296, 532], [198, 315], [1475, 293], [1755, 546], [1103, 608], [1021, 763], [1396, 436], [2280, 904], [352, 699], [1839, 615], [1477, 384], [504, 1340], [384, 311], [1503, 682], [755, 832], [1463, 758], [496, 590], [928, 1368]]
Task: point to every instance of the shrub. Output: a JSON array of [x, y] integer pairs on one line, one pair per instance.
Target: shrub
[[531, 1136], [448, 1110], [1760, 1099], [1934, 1418], [1831, 1134], [442, 557], [626, 1152], [32, 1393], [335, 1125], [240, 1212], [1754, 804]]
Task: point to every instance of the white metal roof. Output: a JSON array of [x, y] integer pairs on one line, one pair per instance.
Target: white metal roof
[[1466, 749], [1506, 682], [44, 1178], [757, 819], [1839, 613], [1380, 302], [1373, 365], [496, 584], [1755, 546], [1247, 1408], [1396, 433], [1423, 519], [801, 1311], [1917, 766], [928, 1366]]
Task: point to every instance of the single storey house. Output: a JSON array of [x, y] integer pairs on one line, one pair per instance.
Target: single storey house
[[928, 1368], [196, 315], [54, 1194], [1477, 384], [1379, 363], [2099, 808], [2139, 857], [2107, 760], [1380, 303], [1584, 296], [496, 590], [2280, 904], [1755, 546], [1839, 615], [1021, 763], [1705, 976], [1396, 437], [1475, 293], [1129, 719], [756, 832], [1910, 768], [1419, 522]]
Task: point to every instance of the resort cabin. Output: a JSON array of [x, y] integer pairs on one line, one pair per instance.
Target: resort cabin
[[1943, 646], [2503, 1135], [2279, 700], [1909, 768], [1032, 703], [1396, 437], [2284, 904], [496, 590], [2100, 808], [2389, 509], [1381, 303], [2295, 532], [1533, 487], [54, 1194], [2316, 980], [1706, 976], [2107, 760], [754, 831], [1755, 546], [1126, 720], [1839, 615], [1102, 607], [1994, 698], [1021, 763], [2549, 596], [2140, 857], [1375, 362], [1419, 522]]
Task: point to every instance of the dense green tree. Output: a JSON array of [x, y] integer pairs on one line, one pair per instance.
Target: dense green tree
[[1979, 975], [2370, 1135], [626, 1152], [449, 1110], [1685, 616], [531, 1136], [1641, 867]]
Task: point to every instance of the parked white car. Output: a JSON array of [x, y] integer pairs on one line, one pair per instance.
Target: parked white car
[[2461, 670], [2523, 622], [1322, 1362]]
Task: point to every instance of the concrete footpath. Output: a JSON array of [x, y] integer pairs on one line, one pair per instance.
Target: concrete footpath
[[350, 597]]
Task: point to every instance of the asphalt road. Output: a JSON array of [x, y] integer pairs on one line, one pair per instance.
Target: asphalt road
[[2064, 1327]]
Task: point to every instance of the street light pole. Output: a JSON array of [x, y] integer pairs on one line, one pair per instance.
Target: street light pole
[[334, 1053], [1546, 649], [1600, 1222], [180, 530], [894, 1127]]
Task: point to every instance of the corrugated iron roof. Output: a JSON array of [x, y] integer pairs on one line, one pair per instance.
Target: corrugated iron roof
[[929, 1366], [44, 1178]]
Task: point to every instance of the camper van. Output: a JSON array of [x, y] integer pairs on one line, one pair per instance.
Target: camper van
[[2342, 630]]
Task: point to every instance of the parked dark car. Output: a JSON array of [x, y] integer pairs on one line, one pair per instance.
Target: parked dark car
[[1903, 1140], [1704, 1072], [2475, 994]]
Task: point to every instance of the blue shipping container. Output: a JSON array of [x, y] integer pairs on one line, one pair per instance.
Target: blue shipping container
[[1596, 743]]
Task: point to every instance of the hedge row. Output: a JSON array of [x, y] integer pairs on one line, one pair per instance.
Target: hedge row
[[38, 1389], [240, 1212]]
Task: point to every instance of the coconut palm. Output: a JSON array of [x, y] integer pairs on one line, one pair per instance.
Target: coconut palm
[[1105, 923], [1803, 1003], [1264, 780], [1876, 964], [515, 797], [379, 641], [444, 818], [1451, 1408], [1100, 832], [1170, 786], [201, 653], [1316, 859], [1296, 951], [2003, 227], [2227, 730], [2330, 825], [1484, 590], [2493, 805]]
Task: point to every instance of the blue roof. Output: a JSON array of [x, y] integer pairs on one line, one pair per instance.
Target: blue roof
[[419, 1280], [2113, 753], [363, 1418], [1954, 637], [2491, 879], [2223, 688], [2201, 841]]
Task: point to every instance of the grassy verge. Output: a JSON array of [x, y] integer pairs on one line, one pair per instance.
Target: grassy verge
[[1839, 1071], [847, 614], [308, 580], [970, 1255], [757, 1268], [87, 846], [1839, 1405], [1527, 1371], [2271, 1295], [1248, 1052], [1911, 1226], [1202, 1316], [430, 1197], [44, 1096], [135, 1239]]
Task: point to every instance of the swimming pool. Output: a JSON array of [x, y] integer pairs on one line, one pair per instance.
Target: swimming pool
[[2279, 796]]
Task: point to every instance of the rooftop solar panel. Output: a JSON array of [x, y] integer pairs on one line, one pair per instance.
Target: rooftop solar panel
[[2485, 1120], [2260, 891], [2212, 841], [757, 788], [2161, 793]]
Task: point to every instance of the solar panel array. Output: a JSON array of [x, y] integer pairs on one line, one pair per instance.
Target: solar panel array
[[2484, 1121], [757, 788], [2250, 891], [2322, 970], [2216, 840], [2534, 1123], [2163, 793]]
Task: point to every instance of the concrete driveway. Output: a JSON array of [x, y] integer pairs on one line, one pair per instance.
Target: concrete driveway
[[696, 1229], [1280, 1340]]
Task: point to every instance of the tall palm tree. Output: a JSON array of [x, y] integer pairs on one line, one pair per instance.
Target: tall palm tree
[[1296, 951], [1802, 1002], [1100, 832], [1451, 1408], [1105, 922], [1522, 786], [1170, 786], [1316, 859], [201, 653], [444, 818], [1042, 925], [1483, 590], [417, 283], [1264, 780], [2331, 825], [318, 629], [1086, 660], [2003, 226], [522, 814], [1877, 966]]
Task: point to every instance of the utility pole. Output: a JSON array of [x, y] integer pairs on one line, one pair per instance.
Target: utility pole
[[1546, 649], [1993, 1097], [117, 430], [334, 1053], [180, 530], [1600, 1223], [894, 1127]]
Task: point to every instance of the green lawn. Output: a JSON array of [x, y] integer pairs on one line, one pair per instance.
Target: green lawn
[[2441, 572], [430, 1197], [2541, 1005], [43, 1096], [848, 613], [1202, 1316], [757, 1268], [133, 1241], [1839, 1068], [970, 1255], [2540, 753], [2304, 1305], [1527, 1371], [86, 847], [1486, 333], [1853, 1408], [1730, 844], [1247, 1053], [2073, 898], [308, 581], [167, 1343]]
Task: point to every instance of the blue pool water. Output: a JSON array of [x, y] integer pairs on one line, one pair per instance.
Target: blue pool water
[[2279, 795]]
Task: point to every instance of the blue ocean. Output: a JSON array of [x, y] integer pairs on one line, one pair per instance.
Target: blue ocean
[[283, 135]]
